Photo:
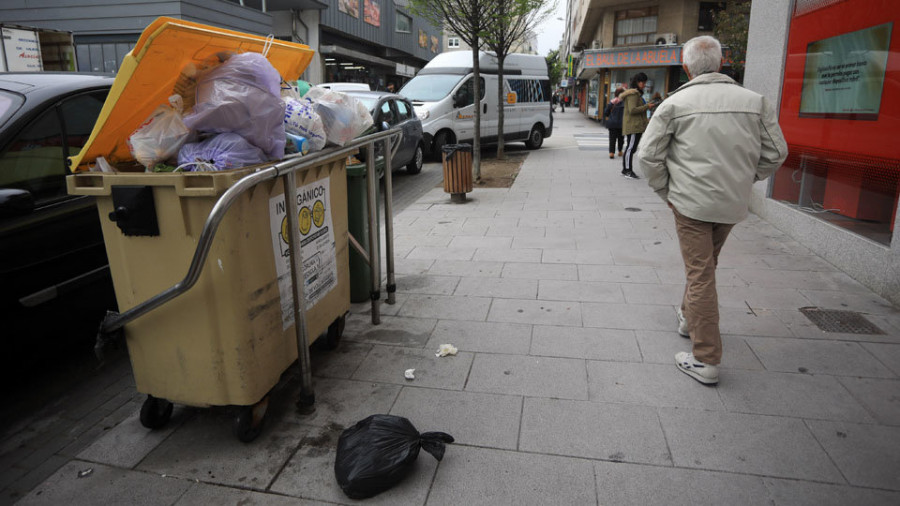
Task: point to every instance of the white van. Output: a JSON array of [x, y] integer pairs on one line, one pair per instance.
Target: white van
[[443, 91]]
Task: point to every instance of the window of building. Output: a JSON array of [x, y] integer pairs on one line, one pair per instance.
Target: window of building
[[404, 23], [708, 11], [636, 26], [453, 42]]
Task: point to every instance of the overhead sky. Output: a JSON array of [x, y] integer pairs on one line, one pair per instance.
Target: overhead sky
[[550, 32]]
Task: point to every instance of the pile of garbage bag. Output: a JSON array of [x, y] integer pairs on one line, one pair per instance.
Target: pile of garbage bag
[[234, 110]]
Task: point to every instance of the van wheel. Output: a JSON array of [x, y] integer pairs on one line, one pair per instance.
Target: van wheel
[[415, 165], [441, 140], [535, 138]]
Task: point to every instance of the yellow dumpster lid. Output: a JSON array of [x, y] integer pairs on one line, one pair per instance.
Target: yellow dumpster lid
[[148, 74]]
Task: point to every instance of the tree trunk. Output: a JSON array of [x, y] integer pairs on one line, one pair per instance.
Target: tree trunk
[[476, 141], [501, 108]]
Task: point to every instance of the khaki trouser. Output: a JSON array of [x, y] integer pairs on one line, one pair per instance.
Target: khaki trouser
[[701, 242]]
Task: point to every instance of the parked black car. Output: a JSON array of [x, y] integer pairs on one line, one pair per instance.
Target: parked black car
[[395, 110], [55, 284]]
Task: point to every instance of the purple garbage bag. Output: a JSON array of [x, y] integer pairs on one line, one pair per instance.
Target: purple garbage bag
[[224, 151], [242, 96]]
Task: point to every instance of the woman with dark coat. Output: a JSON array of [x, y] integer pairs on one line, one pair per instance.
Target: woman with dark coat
[[612, 114]]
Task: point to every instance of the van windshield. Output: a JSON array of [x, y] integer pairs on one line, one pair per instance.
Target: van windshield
[[430, 87]]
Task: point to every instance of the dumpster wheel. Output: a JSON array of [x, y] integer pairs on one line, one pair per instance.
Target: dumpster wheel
[[155, 413], [335, 332], [249, 422]]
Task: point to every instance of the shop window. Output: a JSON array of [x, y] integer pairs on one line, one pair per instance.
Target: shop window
[[635, 27], [403, 23], [708, 11], [453, 42]]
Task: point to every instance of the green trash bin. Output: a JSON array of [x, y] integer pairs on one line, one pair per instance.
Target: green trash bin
[[358, 225]]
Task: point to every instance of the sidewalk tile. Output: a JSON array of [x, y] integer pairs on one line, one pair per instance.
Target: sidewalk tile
[[536, 312], [672, 275], [879, 396], [660, 347], [637, 293], [526, 231], [627, 316], [635, 485], [647, 385], [485, 420], [591, 344], [801, 327], [838, 358], [616, 432], [862, 302], [105, 485], [576, 256], [805, 493], [436, 253], [339, 363], [525, 242], [562, 378], [426, 284], [506, 288], [797, 263], [386, 364], [451, 308], [747, 444], [486, 477], [486, 337], [791, 395], [481, 242], [126, 444], [887, 354], [393, 330], [408, 266], [466, 268], [583, 291], [201, 493], [364, 309], [539, 271], [618, 274], [508, 255], [739, 297], [866, 454], [805, 280], [759, 322], [339, 402]]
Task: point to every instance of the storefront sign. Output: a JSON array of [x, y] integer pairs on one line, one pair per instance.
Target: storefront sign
[[639, 57]]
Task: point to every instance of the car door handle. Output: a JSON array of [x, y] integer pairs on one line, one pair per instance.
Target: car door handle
[[484, 108]]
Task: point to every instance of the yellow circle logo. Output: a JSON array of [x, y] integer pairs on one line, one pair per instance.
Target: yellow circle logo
[[305, 219], [318, 213]]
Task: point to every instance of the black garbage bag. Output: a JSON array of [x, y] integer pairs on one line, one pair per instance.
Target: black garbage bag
[[450, 149], [379, 451]]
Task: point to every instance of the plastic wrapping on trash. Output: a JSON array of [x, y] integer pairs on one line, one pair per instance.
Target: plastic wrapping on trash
[[379, 451], [345, 118], [446, 349], [161, 135], [242, 96], [300, 118], [449, 149], [224, 151], [296, 144]]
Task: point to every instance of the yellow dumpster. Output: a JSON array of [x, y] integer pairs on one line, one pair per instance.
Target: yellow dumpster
[[228, 339]]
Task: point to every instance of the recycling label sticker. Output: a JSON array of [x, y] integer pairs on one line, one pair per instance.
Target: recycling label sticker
[[316, 244]]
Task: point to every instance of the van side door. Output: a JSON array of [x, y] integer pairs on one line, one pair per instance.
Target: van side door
[[464, 110]]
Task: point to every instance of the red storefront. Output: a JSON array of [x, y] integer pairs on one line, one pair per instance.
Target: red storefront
[[840, 113]]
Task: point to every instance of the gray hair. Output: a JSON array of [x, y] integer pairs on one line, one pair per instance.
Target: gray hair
[[702, 55]]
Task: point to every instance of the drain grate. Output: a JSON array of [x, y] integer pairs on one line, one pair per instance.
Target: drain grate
[[845, 322]]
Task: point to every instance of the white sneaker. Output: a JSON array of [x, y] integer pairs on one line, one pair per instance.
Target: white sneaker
[[682, 323], [704, 373]]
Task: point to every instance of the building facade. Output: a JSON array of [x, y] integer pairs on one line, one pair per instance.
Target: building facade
[[373, 41]]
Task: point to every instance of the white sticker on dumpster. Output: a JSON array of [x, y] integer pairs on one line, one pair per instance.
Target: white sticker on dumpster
[[316, 243]]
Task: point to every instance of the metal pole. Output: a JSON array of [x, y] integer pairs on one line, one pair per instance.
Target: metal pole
[[306, 400], [374, 256], [389, 221]]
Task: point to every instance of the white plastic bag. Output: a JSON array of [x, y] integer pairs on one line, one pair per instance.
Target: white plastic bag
[[160, 136], [343, 116], [300, 118]]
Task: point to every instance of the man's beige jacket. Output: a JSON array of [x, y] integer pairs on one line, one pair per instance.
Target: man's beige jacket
[[706, 145]]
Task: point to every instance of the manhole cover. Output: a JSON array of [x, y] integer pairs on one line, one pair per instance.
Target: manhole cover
[[633, 209], [845, 322]]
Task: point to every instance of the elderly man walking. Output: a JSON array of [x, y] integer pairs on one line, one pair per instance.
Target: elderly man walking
[[705, 146]]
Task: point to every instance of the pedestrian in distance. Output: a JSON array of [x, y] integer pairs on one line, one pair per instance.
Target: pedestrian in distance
[[562, 103], [634, 121], [706, 145], [612, 114], [555, 101]]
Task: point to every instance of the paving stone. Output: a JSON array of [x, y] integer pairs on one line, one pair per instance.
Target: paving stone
[[393, 330], [582, 291], [838, 358], [508, 255], [592, 344], [792, 395], [338, 363], [805, 280], [437, 253], [428, 284], [413, 240], [887, 354], [660, 347], [525, 231], [105, 485], [541, 243], [865, 454], [739, 297], [310, 474], [618, 274], [531, 376], [805, 493], [637, 293], [616, 432], [128, 443], [487, 337], [205, 449], [880, 396], [801, 327], [451, 308], [797, 262], [576, 256], [339, 402], [648, 385], [484, 420], [466, 269], [481, 242], [627, 316], [863, 302], [364, 309], [480, 476], [497, 287], [630, 484], [747, 444], [386, 364], [538, 312], [672, 275], [202, 493], [759, 322], [539, 271]]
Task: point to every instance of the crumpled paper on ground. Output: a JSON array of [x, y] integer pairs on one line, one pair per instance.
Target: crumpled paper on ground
[[409, 374], [446, 349]]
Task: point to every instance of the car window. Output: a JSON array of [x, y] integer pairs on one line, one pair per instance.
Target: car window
[[79, 115], [34, 160], [9, 104], [387, 114], [404, 111], [466, 93]]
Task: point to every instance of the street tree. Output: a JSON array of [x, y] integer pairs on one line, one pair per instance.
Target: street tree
[[468, 19], [554, 68], [515, 20], [732, 25]]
